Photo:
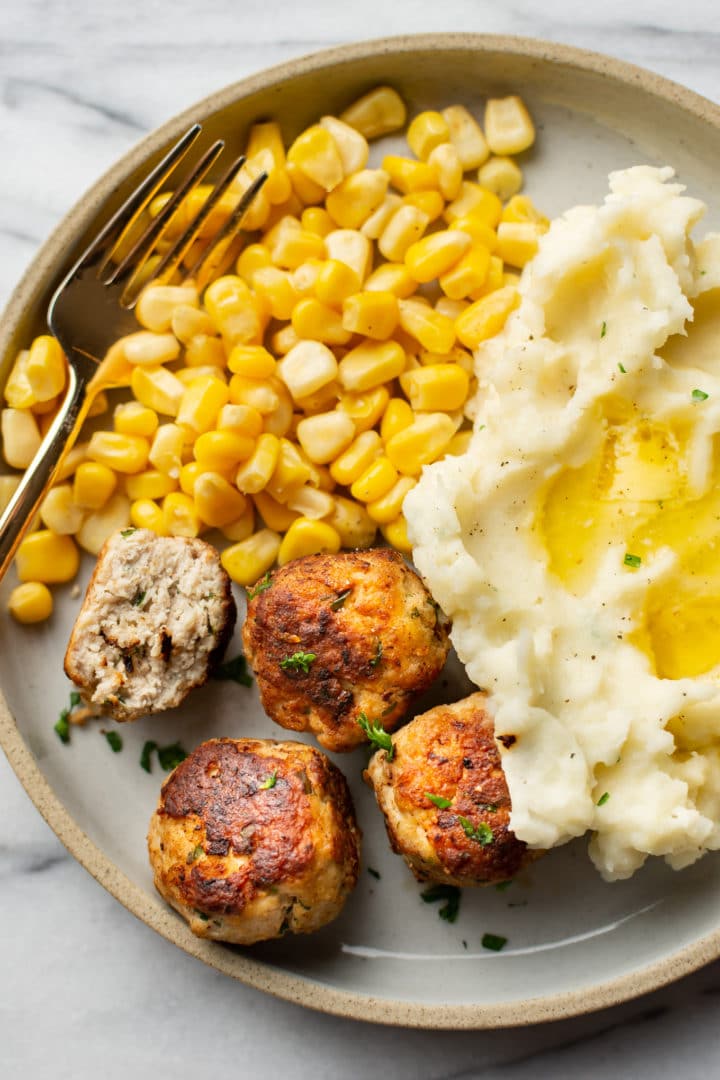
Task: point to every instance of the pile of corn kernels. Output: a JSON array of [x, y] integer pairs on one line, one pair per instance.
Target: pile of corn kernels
[[292, 404]]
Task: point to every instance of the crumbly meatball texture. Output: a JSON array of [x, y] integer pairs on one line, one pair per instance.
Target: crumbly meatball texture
[[254, 838], [375, 636], [450, 753], [156, 619]]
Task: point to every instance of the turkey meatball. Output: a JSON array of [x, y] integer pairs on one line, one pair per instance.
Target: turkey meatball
[[331, 637], [157, 616], [445, 799], [253, 839]]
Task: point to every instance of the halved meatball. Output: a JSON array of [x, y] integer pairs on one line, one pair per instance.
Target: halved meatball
[[334, 636], [157, 616], [254, 838], [445, 798]]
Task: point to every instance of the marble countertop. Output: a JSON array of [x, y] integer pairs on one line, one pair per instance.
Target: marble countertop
[[79, 84]]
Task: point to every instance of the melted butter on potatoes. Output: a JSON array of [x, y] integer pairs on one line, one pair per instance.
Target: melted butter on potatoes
[[332, 636], [253, 838]]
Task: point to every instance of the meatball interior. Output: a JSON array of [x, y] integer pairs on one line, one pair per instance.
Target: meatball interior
[[254, 838], [460, 836], [375, 636]]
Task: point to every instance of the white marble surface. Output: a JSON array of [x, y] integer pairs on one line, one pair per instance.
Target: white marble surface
[[85, 989]]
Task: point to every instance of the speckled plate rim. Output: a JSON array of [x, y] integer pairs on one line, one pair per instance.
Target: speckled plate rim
[[153, 913]]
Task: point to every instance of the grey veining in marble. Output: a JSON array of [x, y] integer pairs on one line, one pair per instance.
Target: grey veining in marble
[[79, 83]]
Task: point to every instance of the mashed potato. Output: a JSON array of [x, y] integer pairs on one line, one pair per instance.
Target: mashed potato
[[576, 545]]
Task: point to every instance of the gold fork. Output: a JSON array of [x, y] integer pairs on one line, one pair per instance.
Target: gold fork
[[93, 306]]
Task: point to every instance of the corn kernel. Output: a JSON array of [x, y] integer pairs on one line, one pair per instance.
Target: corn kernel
[[158, 389], [20, 436], [446, 161], [8, 487], [122, 453], [477, 202], [353, 523], [247, 561], [234, 310], [518, 241], [189, 474], [180, 517], [501, 175], [323, 399], [423, 441], [436, 387], [352, 248], [220, 451], [156, 305], [146, 514], [217, 502], [405, 227], [374, 226], [394, 278], [307, 367], [305, 190], [278, 289], [291, 471], [371, 363], [307, 537], [335, 281], [373, 314], [477, 228], [241, 418], [466, 136], [486, 317], [242, 527], [389, 506], [102, 523], [376, 113], [468, 275], [304, 278], [357, 197], [274, 514], [280, 420], [375, 481], [187, 322], [434, 255], [357, 458], [309, 502], [316, 154], [166, 450], [277, 188], [508, 126], [325, 436], [397, 416], [395, 532], [133, 418], [520, 208], [460, 443], [151, 484], [426, 131], [43, 409], [315, 219], [408, 175], [253, 257], [190, 375], [69, 463], [255, 473], [204, 350], [365, 409], [201, 403], [265, 147], [59, 512], [314, 321], [31, 602], [351, 144], [429, 202], [45, 557], [434, 331], [293, 247], [495, 278], [149, 349], [17, 392], [46, 368]]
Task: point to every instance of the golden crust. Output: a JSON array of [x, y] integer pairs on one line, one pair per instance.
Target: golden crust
[[449, 752], [377, 636], [252, 838]]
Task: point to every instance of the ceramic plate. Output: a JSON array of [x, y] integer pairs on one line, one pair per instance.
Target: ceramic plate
[[574, 943]]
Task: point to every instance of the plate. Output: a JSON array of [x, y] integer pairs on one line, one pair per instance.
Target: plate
[[574, 942]]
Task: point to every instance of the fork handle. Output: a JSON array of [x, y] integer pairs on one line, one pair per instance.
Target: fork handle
[[20, 511]]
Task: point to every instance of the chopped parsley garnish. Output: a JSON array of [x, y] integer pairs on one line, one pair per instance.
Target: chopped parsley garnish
[[603, 329], [603, 798], [168, 756], [699, 395], [235, 670], [503, 885], [378, 654], [195, 854], [632, 560], [74, 699], [439, 801], [202, 915], [139, 597], [622, 369], [62, 727], [493, 942], [114, 741], [299, 661], [340, 599], [269, 782], [377, 734], [449, 894], [127, 532], [373, 873], [483, 834], [260, 586]]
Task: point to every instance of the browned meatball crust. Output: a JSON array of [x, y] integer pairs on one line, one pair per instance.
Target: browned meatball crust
[[375, 636], [254, 838], [450, 753]]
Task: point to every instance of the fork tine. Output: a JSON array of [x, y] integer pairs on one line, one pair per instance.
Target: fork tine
[[172, 258], [142, 248], [135, 201], [227, 231]]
